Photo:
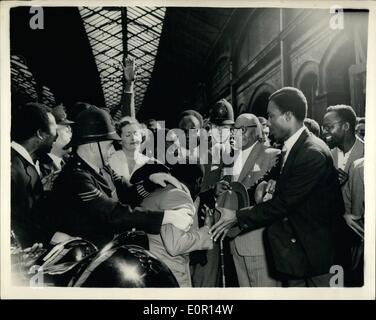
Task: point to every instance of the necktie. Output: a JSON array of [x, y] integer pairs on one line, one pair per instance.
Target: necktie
[[283, 158]]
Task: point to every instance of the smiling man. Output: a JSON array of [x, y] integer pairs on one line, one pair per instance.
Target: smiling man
[[303, 218], [339, 132]]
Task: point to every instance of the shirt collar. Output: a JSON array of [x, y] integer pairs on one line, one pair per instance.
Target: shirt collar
[[289, 143], [23, 152], [348, 152]]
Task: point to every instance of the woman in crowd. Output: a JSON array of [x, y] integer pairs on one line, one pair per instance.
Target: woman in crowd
[[127, 160]]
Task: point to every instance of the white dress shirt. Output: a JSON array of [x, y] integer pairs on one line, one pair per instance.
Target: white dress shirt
[[241, 160], [343, 157], [289, 143]]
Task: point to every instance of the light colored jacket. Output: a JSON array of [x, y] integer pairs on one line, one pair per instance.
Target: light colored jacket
[[172, 246], [354, 190], [356, 153], [259, 162]]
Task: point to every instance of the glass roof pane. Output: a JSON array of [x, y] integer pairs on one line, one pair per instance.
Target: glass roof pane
[[104, 30]]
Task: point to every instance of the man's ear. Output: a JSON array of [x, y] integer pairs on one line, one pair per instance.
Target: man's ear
[[288, 115], [346, 125], [39, 134]]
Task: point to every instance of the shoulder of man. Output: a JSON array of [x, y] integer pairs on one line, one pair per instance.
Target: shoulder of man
[[359, 163], [77, 172], [360, 144], [315, 144], [83, 184], [172, 197]]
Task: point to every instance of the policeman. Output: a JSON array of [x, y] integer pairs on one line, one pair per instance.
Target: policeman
[[222, 113], [89, 201], [221, 120], [206, 273]]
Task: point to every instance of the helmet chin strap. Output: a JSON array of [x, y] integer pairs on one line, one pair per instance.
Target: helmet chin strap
[[100, 152]]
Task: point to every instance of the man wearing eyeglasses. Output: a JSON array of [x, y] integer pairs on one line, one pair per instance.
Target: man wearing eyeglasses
[[304, 216], [253, 165], [339, 133]]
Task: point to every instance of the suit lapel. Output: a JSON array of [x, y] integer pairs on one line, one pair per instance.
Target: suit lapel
[[251, 160], [294, 150], [34, 182], [335, 156]]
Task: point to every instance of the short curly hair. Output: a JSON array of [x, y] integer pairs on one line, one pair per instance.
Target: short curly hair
[[291, 99], [346, 113], [28, 119]]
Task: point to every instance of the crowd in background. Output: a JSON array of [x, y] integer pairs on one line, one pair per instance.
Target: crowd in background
[[88, 177]]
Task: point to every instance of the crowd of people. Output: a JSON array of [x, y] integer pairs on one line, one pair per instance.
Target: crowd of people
[[90, 178]]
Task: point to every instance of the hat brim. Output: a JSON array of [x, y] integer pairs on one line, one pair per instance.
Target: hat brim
[[65, 123], [146, 170], [76, 142], [224, 122]]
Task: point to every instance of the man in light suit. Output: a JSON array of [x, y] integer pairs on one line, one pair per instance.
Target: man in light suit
[[251, 167], [339, 132], [304, 217], [172, 246], [354, 204]]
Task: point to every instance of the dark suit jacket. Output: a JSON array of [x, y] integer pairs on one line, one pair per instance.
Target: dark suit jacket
[[304, 217], [26, 194]]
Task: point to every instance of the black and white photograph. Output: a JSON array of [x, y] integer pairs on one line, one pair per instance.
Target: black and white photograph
[[188, 149]]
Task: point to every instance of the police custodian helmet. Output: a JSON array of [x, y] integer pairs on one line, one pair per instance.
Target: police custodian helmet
[[92, 125], [222, 113], [126, 266]]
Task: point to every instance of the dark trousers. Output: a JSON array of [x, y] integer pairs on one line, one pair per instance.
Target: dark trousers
[[317, 281]]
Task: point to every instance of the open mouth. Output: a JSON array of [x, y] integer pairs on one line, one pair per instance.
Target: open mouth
[[328, 138]]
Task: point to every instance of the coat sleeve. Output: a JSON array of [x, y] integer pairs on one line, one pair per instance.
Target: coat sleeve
[[353, 192], [176, 241], [110, 212], [304, 177]]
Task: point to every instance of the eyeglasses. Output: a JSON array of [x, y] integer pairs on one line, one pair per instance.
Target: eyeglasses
[[330, 127], [244, 128]]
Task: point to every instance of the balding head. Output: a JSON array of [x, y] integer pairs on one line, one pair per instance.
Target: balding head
[[251, 129]]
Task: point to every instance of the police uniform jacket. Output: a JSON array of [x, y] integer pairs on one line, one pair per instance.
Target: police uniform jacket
[[91, 205]]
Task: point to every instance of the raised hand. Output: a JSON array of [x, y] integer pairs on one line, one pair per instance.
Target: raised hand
[[343, 176], [221, 187], [129, 69], [209, 217]]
